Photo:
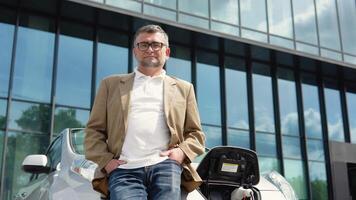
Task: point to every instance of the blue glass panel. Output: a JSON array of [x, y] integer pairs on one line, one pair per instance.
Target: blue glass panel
[[6, 40], [304, 21], [112, 55], [30, 117], [254, 35], [294, 172], [351, 107], [238, 138], [236, 95], [288, 103], [126, 4], [19, 146], [282, 42], [267, 164], [225, 12], [208, 92], [253, 14], [266, 144], [307, 48], [263, 100], [33, 68], [74, 70], [280, 18], [334, 115], [315, 150], [196, 7], [179, 64], [172, 4], [291, 147], [69, 118], [311, 111], [2, 133], [327, 23], [348, 26], [330, 54], [319, 184], [160, 12], [193, 21], [3, 107], [225, 28], [213, 136]]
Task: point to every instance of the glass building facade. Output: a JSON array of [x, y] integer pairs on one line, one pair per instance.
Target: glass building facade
[[274, 76]]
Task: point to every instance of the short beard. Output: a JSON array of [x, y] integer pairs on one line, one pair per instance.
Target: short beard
[[149, 63]]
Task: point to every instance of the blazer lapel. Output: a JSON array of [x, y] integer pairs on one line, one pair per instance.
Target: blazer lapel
[[126, 84], [169, 92]]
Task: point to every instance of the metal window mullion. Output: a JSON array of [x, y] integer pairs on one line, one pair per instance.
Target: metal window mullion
[[267, 22], [339, 29], [249, 84], [239, 15], [344, 108], [303, 139], [277, 117], [9, 102], [209, 13], [95, 59], [293, 25], [223, 91], [130, 58], [324, 126], [194, 61], [317, 27], [55, 69]]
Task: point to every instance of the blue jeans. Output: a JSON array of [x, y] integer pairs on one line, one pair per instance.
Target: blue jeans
[[157, 182]]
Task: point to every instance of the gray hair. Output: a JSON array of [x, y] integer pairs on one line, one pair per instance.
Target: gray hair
[[152, 28]]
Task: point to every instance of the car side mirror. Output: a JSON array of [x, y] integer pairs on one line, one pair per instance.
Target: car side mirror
[[36, 164]]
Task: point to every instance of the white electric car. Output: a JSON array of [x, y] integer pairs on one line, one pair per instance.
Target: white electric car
[[63, 173]]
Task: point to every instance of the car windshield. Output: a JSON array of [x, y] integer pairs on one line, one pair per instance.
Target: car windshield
[[77, 140]]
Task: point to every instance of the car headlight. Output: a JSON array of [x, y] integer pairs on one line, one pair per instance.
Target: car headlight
[[281, 183], [84, 168]]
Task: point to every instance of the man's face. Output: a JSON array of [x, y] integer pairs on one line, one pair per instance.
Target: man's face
[[151, 57]]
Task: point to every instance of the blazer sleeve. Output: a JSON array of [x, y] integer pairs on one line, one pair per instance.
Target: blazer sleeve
[[96, 148], [194, 138]]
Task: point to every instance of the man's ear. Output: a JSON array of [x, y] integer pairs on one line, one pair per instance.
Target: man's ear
[[168, 52]]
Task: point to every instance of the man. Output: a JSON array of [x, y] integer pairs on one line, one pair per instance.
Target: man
[[144, 128]]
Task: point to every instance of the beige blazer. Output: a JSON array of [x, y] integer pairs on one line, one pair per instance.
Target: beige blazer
[[107, 125]]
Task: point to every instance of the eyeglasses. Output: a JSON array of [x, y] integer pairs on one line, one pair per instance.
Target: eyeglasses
[[156, 46]]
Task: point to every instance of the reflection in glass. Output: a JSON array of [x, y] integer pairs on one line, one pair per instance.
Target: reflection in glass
[[334, 115], [128, 5], [225, 12], [330, 54], [307, 48], [266, 144], [160, 12], [74, 70], [213, 136], [34, 60], [194, 21], [317, 174], [6, 40], [327, 23], [263, 100], [112, 55], [238, 138], [288, 103], [311, 111], [179, 63], [208, 91], [351, 106], [19, 146], [3, 107], [254, 35], [197, 7], [295, 174], [224, 28], [172, 4], [253, 14], [30, 117], [267, 164], [282, 42], [315, 150], [304, 21], [291, 147], [236, 94], [280, 18], [347, 25], [69, 118]]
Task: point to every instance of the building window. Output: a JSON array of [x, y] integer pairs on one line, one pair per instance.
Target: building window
[[179, 63], [351, 107], [69, 118], [112, 55], [34, 59], [74, 65], [208, 96], [236, 103]]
